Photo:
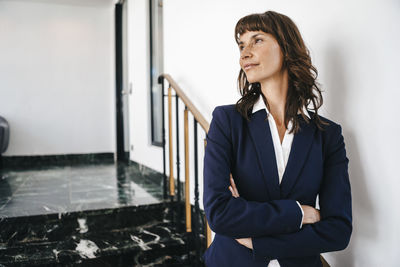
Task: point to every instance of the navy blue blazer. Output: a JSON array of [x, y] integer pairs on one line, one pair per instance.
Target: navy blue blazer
[[267, 211]]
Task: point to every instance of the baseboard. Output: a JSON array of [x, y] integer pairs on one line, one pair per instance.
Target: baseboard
[[40, 161]]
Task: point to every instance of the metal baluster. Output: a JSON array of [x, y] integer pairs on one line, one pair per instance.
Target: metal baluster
[[179, 207], [161, 80], [170, 147]]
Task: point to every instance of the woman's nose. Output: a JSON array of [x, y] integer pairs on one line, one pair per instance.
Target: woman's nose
[[245, 53]]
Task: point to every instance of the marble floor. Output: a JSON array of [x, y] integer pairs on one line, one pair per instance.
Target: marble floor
[[77, 188]]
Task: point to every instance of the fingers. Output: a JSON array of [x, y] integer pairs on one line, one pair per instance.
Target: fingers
[[318, 215], [232, 187], [234, 194], [311, 214]]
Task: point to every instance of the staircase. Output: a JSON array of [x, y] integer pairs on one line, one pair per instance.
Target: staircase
[[125, 235]]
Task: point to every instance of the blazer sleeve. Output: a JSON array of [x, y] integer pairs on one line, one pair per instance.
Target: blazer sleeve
[[237, 217], [333, 231]]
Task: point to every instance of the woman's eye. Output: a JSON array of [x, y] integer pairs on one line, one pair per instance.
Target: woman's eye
[[258, 40]]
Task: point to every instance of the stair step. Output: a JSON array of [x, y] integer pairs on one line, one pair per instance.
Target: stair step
[[142, 235]]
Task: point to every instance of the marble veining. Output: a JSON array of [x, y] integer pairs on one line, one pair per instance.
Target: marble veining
[[83, 228], [87, 248]]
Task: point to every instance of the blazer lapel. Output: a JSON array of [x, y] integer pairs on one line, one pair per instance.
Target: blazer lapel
[[298, 154], [262, 139], [261, 136]]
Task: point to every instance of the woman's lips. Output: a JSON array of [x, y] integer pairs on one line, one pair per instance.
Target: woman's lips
[[250, 66]]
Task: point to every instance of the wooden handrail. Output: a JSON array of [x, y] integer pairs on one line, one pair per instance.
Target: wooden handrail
[[192, 108]]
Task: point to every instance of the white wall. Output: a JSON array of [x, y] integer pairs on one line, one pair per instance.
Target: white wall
[[139, 76], [57, 72], [354, 45]]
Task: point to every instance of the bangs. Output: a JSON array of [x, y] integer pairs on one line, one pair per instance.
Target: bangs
[[252, 22]]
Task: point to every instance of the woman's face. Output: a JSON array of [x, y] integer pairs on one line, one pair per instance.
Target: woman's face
[[260, 56]]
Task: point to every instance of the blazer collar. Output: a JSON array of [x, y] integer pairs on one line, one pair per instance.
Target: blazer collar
[[260, 105], [261, 136]]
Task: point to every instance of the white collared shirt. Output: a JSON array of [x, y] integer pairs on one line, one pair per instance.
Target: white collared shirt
[[282, 151]]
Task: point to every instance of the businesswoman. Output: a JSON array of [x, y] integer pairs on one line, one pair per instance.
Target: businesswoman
[[269, 157]]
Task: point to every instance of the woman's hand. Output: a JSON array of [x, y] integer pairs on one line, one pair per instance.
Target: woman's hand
[[311, 215], [247, 242], [232, 187]]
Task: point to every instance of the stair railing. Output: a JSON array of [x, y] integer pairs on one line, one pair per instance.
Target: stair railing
[[198, 119]]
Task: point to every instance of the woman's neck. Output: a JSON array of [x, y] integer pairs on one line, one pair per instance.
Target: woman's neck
[[275, 90]]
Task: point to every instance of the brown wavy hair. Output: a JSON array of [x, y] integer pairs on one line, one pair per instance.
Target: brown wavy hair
[[302, 85]]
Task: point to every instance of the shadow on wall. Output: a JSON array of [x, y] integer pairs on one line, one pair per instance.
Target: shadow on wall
[[364, 217]]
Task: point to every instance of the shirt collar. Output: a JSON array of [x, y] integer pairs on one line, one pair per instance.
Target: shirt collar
[[260, 105]]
